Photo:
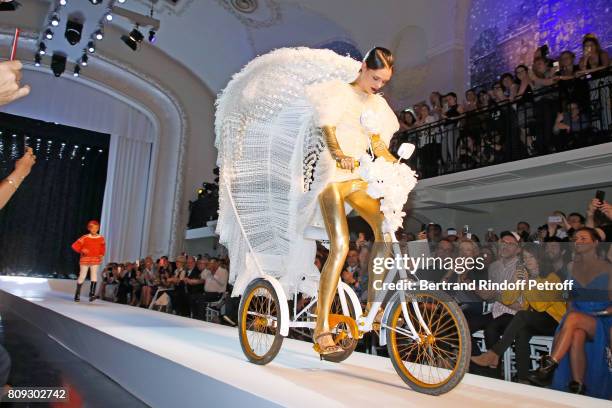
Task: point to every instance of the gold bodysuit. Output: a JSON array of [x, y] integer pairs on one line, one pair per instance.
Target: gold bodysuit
[[345, 137]]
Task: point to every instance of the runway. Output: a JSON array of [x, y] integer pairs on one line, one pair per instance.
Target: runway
[[166, 360]]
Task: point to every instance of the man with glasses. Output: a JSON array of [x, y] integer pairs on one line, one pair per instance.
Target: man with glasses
[[502, 270]]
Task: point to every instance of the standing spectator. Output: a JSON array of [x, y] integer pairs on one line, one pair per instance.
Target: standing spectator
[[567, 66], [451, 130], [428, 144], [497, 93], [545, 105], [594, 59], [524, 81], [435, 99], [509, 86], [484, 99], [593, 56], [453, 109], [471, 100], [407, 120], [424, 115], [571, 129]]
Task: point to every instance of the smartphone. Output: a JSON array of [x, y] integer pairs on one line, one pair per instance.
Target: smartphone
[[553, 219], [556, 64], [466, 229], [600, 195]]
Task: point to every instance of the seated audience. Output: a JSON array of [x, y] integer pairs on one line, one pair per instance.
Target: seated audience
[[578, 362], [502, 270], [539, 315], [151, 280], [214, 279]]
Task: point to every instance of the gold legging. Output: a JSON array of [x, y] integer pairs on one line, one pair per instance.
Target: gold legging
[[331, 201]]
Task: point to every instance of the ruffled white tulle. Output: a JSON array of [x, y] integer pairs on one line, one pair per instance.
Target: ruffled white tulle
[[391, 183]]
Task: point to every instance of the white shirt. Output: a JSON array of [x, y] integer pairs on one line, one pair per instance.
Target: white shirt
[[500, 272], [215, 283]]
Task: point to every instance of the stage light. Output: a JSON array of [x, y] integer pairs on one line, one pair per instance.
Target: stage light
[[84, 60], [62, 2], [91, 47], [77, 71], [95, 2], [58, 64], [37, 59], [42, 49], [55, 20], [49, 34], [9, 5], [73, 32], [99, 35], [133, 39], [152, 36], [108, 17], [121, 1]]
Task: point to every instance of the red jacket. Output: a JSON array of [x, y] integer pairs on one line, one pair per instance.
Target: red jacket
[[91, 248]]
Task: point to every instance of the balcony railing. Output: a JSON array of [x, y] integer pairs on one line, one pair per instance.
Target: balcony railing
[[572, 114]]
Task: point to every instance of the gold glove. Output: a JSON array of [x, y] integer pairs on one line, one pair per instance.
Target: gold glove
[[381, 150], [342, 160]]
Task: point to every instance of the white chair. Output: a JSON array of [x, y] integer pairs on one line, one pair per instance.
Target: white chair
[[212, 309], [158, 293], [507, 358], [539, 345]]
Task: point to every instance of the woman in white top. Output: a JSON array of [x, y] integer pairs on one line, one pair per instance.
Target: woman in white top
[[339, 107]]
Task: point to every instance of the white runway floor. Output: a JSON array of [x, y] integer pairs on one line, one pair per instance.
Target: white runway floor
[[296, 378]]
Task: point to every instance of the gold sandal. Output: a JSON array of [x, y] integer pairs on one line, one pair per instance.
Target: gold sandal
[[325, 350]]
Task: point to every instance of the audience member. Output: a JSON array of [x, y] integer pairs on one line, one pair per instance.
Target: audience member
[[502, 270], [540, 314], [584, 332]]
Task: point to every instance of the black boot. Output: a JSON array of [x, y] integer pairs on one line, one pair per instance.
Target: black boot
[[543, 375], [92, 291], [77, 295], [576, 387]]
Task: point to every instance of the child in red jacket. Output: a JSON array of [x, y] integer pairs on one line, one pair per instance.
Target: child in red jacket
[[92, 248]]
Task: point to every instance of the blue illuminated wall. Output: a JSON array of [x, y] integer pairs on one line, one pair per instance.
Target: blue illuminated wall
[[504, 34]]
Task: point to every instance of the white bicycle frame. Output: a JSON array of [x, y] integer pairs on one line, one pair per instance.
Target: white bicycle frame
[[364, 323]]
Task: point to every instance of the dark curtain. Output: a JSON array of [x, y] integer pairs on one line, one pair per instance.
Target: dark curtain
[[52, 206]]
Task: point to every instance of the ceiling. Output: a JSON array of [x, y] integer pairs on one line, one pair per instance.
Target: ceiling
[[81, 11], [215, 38]]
